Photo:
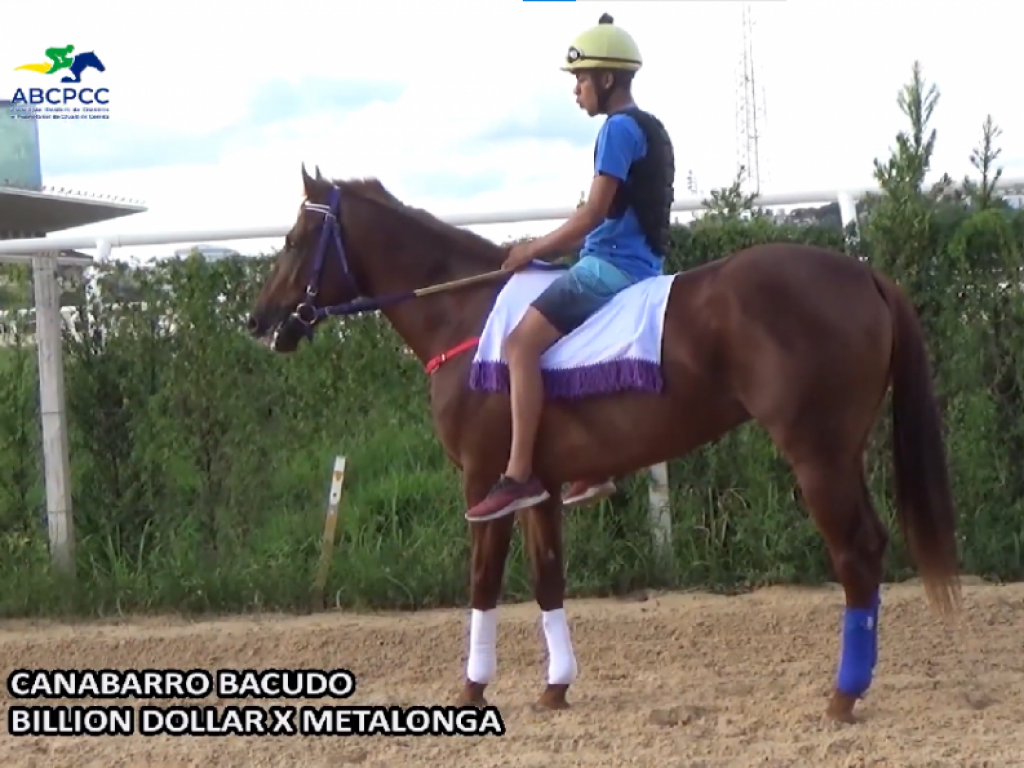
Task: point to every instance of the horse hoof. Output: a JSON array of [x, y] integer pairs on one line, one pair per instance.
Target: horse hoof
[[552, 698], [840, 709], [472, 695]]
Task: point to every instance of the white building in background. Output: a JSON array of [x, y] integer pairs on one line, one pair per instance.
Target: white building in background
[[208, 252]]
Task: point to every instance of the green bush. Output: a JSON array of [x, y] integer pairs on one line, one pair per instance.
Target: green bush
[[201, 462]]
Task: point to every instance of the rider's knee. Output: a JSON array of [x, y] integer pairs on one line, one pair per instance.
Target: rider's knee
[[519, 347], [513, 346]]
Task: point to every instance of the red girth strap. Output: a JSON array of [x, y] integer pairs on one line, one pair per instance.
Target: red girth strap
[[436, 362]]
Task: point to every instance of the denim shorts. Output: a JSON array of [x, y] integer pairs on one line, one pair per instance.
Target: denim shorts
[[580, 292]]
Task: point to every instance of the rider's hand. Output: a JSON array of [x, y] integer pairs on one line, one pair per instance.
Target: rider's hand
[[519, 255]]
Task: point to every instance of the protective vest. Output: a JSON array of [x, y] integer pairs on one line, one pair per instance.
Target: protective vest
[[650, 183]]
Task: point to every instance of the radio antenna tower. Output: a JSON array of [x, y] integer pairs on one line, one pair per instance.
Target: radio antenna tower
[[750, 112]]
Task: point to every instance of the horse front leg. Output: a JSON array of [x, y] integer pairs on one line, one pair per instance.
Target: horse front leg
[[489, 543], [543, 528]]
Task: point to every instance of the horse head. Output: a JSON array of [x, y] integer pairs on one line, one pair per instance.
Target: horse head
[[313, 269], [89, 59], [355, 240]]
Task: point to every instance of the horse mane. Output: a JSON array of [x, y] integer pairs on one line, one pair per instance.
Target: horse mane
[[373, 190]]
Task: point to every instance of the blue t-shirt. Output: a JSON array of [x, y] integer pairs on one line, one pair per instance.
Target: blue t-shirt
[[621, 242]]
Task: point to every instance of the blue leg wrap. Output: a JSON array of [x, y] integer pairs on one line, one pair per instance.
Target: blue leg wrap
[[860, 649]]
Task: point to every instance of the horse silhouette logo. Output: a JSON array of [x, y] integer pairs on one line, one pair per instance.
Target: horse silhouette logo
[[61, 59]]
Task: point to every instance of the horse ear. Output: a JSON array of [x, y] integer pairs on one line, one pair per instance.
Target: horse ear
[[307, 181], [319, 176]]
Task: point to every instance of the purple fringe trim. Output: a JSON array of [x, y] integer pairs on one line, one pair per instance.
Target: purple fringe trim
[[574, 383]]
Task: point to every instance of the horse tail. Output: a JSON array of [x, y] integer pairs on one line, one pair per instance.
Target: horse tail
[[924, 502]]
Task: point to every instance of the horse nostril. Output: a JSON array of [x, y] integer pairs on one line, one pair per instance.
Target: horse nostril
[[252, 324]]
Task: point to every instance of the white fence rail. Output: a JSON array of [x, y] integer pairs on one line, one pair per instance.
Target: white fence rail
[[104, 243], [43, 253]]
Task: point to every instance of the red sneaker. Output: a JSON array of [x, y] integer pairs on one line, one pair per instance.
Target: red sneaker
[[587, 491], [507, 496]]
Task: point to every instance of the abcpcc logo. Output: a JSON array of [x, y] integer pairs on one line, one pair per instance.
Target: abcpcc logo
[[73, 65]]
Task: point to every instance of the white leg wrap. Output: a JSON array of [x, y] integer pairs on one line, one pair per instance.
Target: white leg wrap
[[483, 655], [561, 659]]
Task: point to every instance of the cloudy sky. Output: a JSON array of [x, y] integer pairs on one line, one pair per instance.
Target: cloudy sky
[[460, 106]]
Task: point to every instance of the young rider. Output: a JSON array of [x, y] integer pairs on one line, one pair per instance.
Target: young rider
[[623, 224]]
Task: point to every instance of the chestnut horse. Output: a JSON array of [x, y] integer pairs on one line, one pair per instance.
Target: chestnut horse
[[804, 340]]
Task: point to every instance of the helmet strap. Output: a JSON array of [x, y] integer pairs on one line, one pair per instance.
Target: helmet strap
[[604, 93]]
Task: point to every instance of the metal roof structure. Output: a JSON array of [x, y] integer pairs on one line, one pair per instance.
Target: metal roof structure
[[27, 207], [37, 212]]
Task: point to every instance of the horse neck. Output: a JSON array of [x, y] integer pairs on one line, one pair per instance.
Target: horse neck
[[435, 324], [412, 258]]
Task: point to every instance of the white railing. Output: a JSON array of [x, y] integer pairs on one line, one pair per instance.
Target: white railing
[[43, 253], [104, 243]]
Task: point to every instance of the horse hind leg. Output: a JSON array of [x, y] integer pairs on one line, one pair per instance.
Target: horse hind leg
[[840, 505], [542, 526]]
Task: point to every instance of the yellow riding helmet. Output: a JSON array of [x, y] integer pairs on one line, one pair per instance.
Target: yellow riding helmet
[[603, 47]]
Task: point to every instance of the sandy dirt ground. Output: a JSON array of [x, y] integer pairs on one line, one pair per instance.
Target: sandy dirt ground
[[666, 681]]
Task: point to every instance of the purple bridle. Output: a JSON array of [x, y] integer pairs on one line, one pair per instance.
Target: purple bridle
[[307, 313]]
